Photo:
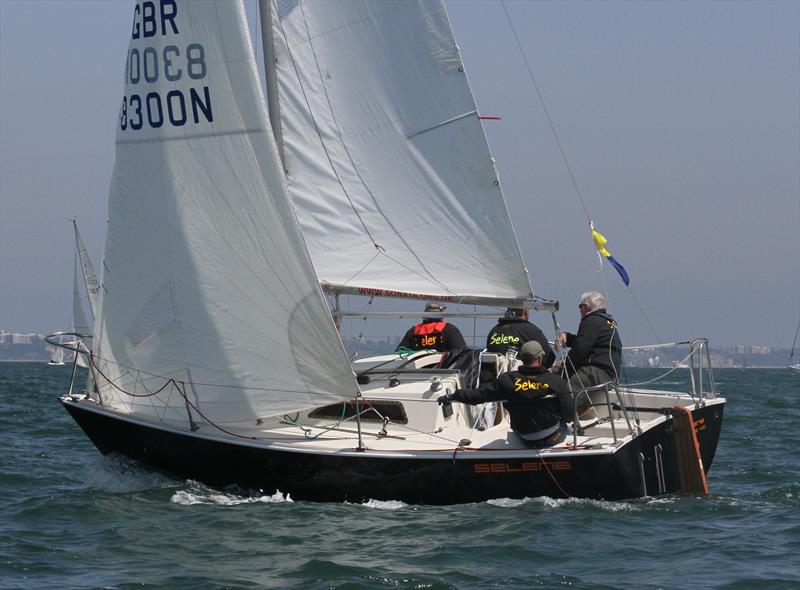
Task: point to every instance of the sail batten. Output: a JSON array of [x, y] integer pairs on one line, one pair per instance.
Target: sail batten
[[387, 161]]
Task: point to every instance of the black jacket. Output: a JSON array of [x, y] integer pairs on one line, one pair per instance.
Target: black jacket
[[433, 334], [516, 332], [528, 395], [597, 343]]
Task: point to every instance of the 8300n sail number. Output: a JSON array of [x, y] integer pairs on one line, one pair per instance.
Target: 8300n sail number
[[176, 108]]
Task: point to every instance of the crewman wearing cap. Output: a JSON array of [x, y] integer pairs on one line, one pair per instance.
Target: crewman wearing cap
[[433, 333], [514, 329], [531, 397]]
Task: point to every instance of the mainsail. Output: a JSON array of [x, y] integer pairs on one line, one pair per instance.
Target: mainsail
[[206, 278], [387, 162]]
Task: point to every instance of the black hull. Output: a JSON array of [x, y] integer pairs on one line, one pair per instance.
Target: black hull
[[360, 477]]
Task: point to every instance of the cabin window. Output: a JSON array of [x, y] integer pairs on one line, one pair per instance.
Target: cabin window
[[371, 411]]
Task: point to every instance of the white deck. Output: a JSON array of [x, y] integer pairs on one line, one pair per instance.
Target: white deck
[[415, 385]]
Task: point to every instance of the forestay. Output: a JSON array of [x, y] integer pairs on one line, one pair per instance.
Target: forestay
[[387, 161], [206, 279]]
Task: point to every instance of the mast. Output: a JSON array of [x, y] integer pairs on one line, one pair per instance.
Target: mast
[[270, 59]]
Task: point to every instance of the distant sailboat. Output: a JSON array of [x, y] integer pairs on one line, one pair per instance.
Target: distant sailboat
[[215, 355], [80, 324], [790, 364], [57, 358]]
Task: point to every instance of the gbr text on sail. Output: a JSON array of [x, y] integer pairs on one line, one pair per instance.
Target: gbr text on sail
[[167, 63]]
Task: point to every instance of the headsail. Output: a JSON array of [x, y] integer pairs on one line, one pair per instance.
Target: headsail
[[89, 277], [79, 322], [387, 161], [206, 279]]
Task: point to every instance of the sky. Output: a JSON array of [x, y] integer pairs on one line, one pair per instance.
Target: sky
[[680, 122]]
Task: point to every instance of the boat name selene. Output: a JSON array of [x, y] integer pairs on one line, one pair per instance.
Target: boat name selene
[[172, 63], [527, 466]]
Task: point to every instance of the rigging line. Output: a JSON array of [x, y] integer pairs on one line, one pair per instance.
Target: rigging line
[[360, 336], [188, 402], [358, 272], [659, 377], [561, 149], [553, 477], [430, 277], [644, 315], [546, 112], [220, 385], [656, 346], [633, 295], [603, 276], [474, 326], [318, 130], [234, 434]]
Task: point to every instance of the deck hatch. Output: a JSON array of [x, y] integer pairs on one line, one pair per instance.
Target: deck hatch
[[371, 411]]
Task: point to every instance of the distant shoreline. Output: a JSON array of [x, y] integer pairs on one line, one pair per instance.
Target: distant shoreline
[[67, 364]]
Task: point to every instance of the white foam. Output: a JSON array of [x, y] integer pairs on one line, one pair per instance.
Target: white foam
[[207, 496], [508, 502], [119, 475], [385, 504], [555, 503]]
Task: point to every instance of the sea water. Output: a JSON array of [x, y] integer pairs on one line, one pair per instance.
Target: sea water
[[71, 518]]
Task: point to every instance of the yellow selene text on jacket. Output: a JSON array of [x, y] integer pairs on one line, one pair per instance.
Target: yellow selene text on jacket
[[525, 385], [429, 341], [503, 339]]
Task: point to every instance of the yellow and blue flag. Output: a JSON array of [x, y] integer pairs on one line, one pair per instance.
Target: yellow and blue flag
[[600, 241]]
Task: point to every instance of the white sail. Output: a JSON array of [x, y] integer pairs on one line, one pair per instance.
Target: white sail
[[57, 356], [206, 279], [387, 161], [80, 324], [90, 281]]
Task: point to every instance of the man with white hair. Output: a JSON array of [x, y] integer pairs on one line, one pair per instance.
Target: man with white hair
[[595, 354]]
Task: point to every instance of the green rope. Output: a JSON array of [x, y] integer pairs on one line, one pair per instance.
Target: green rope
[[404, 353], [306, 430]]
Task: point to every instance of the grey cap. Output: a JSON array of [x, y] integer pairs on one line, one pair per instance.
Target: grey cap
[[434, 307], [530, 351]]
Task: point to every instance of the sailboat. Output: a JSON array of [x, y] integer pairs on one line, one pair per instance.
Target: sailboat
[[57, 358], [365, 170], [792, 365]]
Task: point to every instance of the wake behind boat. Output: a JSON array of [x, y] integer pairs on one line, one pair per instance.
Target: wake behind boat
[[215, 355]]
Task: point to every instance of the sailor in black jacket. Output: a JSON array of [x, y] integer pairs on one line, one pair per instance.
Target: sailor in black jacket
[[514, 329], [530, 395], [595, 354], [433, 333]]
